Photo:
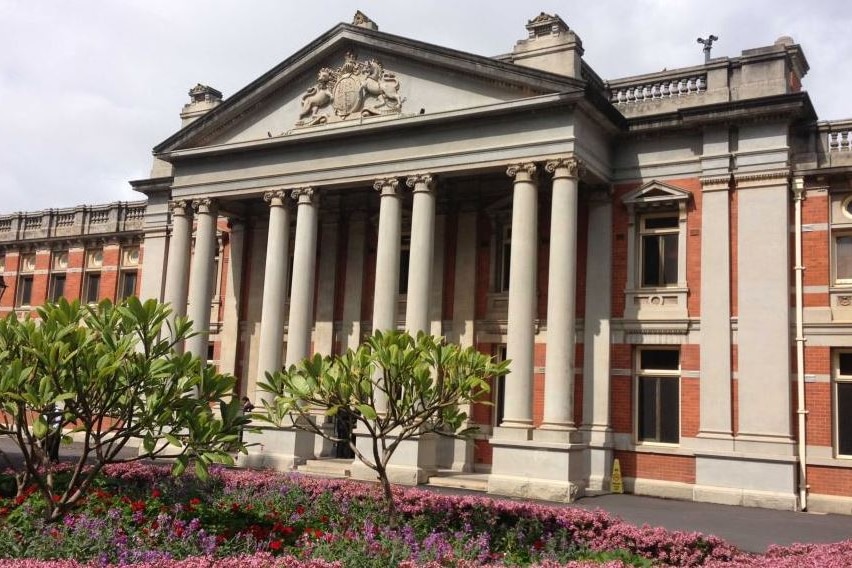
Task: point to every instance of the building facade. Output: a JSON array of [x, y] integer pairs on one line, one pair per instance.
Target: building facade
[[666, 258]]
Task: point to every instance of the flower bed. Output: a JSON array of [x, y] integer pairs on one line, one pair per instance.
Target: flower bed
[[140, 515]]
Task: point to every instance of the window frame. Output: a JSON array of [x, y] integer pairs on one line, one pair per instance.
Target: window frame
[[93, 268], [51, 287], [640, 374], [836, 379], [835, 235], [643, 232], [23, 279], [26, 273]]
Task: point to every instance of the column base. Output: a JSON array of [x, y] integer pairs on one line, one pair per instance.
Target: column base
[[548, 470], [413, 462], [600, 446], [455, 454], [277, 448]]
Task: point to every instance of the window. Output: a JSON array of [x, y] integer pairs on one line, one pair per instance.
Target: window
[[658, 395], [659, 237], [656, 286], [843, 259], [843, 402], [127, 284], [25, 280], [57, 286], [92, 276], [92, 288], [25, 290], [129, 272]]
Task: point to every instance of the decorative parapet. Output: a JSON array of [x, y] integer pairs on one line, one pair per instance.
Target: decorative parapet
[[665, 88], [838, 135], [73, 221]]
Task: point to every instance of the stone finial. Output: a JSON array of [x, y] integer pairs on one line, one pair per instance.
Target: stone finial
[[546, 25], [362, 21], [202, 99]]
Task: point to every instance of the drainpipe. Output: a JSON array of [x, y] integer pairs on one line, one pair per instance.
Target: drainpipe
[[798, 197]]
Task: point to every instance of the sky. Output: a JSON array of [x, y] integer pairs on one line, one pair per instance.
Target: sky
[[88, 88]]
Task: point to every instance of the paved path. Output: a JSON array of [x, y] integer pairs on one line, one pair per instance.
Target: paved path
[[748, 528]]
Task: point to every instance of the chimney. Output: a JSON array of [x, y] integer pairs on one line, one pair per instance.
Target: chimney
[[202, 99], [551, 46]]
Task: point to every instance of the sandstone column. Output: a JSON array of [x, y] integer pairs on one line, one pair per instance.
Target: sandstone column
[[274, 286], [522, 297], [561, 290], [201, 283], [421, 253], [597, 430], [387, 264], [304, 267], [177, 268], [387, 256]]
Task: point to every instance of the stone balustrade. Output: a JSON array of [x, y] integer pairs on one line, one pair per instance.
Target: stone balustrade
[[839, 136], [120, 216], [666, 88]]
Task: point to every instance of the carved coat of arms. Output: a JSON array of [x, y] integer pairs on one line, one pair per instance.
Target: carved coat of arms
[[355, 89]]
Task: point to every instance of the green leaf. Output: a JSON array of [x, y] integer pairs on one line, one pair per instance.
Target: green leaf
[[367, 411]]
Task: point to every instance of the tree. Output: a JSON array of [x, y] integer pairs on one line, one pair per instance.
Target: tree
[[423, 380], [108, 374]]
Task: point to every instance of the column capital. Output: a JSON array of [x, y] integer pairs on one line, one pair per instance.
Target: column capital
[[387, 186], [180, 207], [421, 182], [522, 171], [204, 206], [305, 196], [275, 198], [569, 167]]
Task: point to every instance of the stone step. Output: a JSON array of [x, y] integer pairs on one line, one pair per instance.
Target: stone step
[[459, 480], [327, 467]]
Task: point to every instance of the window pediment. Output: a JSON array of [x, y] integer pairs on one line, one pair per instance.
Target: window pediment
[[655, 194]]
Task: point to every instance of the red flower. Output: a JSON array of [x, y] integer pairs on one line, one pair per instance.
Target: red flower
[[538, 545], [300, 510], [275, 545], [155, 493]]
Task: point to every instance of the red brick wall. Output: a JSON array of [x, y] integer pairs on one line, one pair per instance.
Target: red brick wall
[[690, 406], [818, 397], [693, 244], [830, 480], [657, 466]]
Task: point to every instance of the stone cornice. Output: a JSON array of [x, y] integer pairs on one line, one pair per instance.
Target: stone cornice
[[715, 183], [761, 179]]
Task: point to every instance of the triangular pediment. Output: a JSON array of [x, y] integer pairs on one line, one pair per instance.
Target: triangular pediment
[[353, 75], [655, 193]]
